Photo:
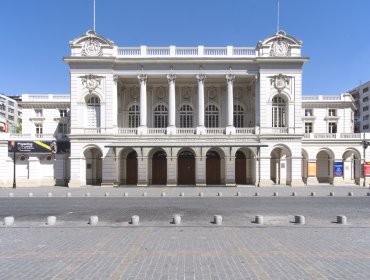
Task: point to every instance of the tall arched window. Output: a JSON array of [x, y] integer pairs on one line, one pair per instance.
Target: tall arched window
[[160, 116], [134, 116], [278, 112], [238, 116], [186, 116], [212, 118], [93, 111]]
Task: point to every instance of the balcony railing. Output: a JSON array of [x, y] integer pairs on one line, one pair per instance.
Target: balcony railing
[[333, 136]]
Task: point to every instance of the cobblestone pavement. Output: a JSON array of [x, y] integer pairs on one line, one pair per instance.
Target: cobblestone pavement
[[177, 252]]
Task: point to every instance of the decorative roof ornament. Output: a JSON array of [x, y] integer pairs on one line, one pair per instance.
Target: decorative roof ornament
[[280, 82], [280, 47], [91, 47], [91, 82]]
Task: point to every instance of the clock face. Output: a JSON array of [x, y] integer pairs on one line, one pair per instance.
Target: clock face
[[280, 48]]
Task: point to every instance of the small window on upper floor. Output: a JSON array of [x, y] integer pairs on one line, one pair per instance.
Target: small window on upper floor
[[332, 112], [63, 113], [10, 110], [308, 112], [366, 108], [38, 112], [365, 99], [365, 127], [332, 128], [10, 103], [365, 90], [365, 118], [308, 127]]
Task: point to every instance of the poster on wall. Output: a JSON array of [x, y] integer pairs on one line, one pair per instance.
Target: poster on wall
[[39, 147], [338, 169], [311, 169], [367, 169]]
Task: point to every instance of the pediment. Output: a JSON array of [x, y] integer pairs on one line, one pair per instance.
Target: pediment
[[91, 44], [280, 45]]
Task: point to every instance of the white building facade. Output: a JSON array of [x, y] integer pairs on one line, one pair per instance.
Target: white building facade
[[203, 116]]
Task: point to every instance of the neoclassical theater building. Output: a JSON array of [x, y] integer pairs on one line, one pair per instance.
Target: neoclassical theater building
[[199, 116]]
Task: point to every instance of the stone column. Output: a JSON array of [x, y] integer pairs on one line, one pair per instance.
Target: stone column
[[230, 129], [142, 167], [114, 103], [109, 168], [201, 128], [171, 129], [171, 166], [142, 129], [230, 167]]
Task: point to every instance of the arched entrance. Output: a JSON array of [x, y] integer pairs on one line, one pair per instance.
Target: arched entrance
[[351, 166], [213, 168], [131, 168], [186, 168], [324, 166], [280, 166], [159, 168], [240, 168], [93, 157]]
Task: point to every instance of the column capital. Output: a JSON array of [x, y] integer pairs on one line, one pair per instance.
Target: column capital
[[142, 78], [200, 78], [115, 79], [171, 78], [230, 78]]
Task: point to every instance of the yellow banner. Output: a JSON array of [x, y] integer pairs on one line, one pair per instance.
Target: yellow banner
[[311, 172]]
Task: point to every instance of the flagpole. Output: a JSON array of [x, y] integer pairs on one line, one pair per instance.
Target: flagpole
[[278, 16], [94, 15]]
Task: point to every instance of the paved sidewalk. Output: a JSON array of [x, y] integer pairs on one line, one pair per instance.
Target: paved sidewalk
[[94, 191]]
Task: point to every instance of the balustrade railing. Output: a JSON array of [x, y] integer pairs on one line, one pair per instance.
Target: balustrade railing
[[245, 130], [157, 131], [186, 131], [215, 130], [127, 131]]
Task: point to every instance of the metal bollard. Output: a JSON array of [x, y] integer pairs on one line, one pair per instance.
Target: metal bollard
[[30, 194], [182, 194], [9, 221], [276, 194], [294, 194], [258, 220], [11, 194], [125, 194], [201, 194], [217, 220], [313, 193], [163, 194], [341, 220], [176, 219], [106, 194], [135, 220], [350, 194], [51, 220], [368, 194], [256, 194], [93, 220], [219, 194], [331, 194], [49, 194], [145, 194], [299, 220], [238, 194], [87, 194], [68, 194]]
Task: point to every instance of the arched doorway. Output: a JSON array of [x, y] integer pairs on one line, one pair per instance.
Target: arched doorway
[[159, 168], [213, 168], [131, 168], [351, 166], [240, 168], [186, 168], [280, 166], [324, 167], [93, 157]]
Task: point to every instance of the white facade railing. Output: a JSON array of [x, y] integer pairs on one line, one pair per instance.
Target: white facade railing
[[333, 136], [46, 97], [94, 130], [157, 131], [215, 130], [127, 131], [186, 131], [245, 130], [279, 130]]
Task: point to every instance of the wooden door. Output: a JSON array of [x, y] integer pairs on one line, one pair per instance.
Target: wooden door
[[213, 169], [159, 168], [186, 169], [131, 168], [240, 168]]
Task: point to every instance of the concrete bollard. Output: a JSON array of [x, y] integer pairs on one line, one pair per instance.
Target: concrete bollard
[[87, 194], [51, 220], [30, 194], [135, 220], [106, 194], [276, 194], [68, 194], [176, 219], [256, 194], [294, 194], [93, 220], [313, 193], [8, 221], [145, 194], [163, 194], [368, 194], [217, 220], [238, 194], [182, 194], [350, 194], [49, 194], [219, 194], [125, 194], [331, 194], [299, 220], [11, 194], [341, 220], [201, 194], [258, 220]]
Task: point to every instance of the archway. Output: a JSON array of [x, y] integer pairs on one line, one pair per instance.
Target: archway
[[159, 168], [186, 168], [213, 168], [245, 167], [131, 168], [280, 166], [93, 157], [324, 166], [352, 166]]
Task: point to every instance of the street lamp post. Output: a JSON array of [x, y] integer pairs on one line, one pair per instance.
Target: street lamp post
[[13, 144], [365, 144]]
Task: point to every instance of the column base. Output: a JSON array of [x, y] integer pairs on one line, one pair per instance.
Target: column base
[[338, 181], [312, 181], [201, 130], [171, 185], [76, 184], [108, 184], [200, 185], [230, 130], [230, 185], [171, 130], [143, 184], [297, 183], [142, 130], [264, 183]]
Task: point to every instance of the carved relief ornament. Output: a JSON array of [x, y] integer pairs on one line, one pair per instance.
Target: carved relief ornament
[[91, 47], [91, 82], [280, 82], [280, 48]]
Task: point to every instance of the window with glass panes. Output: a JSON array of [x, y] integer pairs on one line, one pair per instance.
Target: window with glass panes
[[332, 112], [63, 113], [63, 128], [308, 127], [212, 116], [278, 112], [332, 127], [134, 116], [186, 116], [238, 116], [39, 129], [93, 112], [160, 116]]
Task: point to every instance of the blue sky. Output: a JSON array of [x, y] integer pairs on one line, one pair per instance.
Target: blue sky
[[35, 35]]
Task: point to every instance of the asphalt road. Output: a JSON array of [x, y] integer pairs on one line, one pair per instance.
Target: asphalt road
[[319, 211]]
